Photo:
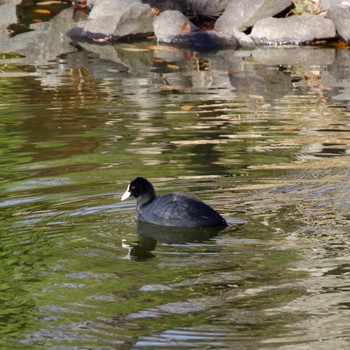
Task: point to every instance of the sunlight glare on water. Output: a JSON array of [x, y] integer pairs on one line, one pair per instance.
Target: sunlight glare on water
[[265, 144]]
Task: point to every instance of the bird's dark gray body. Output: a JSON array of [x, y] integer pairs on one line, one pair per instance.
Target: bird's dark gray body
[[177, 209], [173, 209]]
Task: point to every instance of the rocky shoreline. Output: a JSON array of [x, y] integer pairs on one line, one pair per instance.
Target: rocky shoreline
[[239, 23]]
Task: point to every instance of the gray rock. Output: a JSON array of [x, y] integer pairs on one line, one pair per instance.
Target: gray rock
[[172, 23], [292, 30], [172, 27], [244, 40], [326, 4], [8, 12], [340, 15], [117, 19], [209, 8], [243, 14], [163, 5]]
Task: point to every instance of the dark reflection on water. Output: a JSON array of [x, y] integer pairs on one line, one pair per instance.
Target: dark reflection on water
[[257, 135], [149, 235], [175, 235]]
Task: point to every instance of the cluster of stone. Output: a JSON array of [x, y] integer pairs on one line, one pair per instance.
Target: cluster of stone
[[245, 23]]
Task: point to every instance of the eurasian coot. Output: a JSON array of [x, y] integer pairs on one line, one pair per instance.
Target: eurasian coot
[[172, 209]]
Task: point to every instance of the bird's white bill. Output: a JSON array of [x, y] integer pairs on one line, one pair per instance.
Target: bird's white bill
[[126, 195]]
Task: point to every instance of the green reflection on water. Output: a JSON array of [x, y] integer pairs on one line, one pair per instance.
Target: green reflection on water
[[68, 273], [82, 278]]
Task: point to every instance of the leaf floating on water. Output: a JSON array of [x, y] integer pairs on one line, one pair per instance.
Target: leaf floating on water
[[134, 49], [48, 3], [162, 47], [42, 11], [186, 107], [172, 66]]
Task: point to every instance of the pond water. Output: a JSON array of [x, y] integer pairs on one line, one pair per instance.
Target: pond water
[[262, 136]]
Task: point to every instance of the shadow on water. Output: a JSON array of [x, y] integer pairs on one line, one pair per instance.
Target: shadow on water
[[149, 235]]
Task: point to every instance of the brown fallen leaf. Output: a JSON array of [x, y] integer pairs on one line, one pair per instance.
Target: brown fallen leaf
[[48, 3], [165, 48], [42, 11], [186, 107], [155, 11], [186, 27], [158, 60], [172, 66], [134, 49], [339, 45]]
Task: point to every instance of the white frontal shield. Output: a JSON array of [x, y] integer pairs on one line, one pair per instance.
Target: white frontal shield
[[126, 195]]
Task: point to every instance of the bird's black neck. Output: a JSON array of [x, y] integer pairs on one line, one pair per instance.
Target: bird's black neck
[[146, 198]]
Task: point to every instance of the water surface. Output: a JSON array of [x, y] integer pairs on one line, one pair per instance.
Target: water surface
[[262, 136]]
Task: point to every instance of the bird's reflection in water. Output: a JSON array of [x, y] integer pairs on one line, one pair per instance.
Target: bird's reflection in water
[[149, 235]]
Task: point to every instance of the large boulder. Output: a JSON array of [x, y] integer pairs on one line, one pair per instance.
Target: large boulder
[[8, 12], [340, 15], [243, 14], [326, 4], [292, 30], [172, 27], [163, 5], [114, 20], [209, 8], [172, 22]]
